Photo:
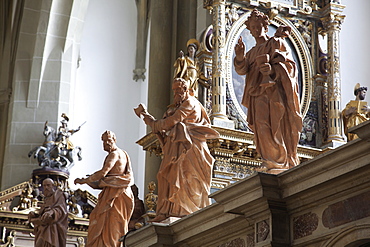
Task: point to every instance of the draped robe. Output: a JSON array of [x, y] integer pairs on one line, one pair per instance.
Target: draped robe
[[110, 217], [53, 233], [184, 177], [273, 112]]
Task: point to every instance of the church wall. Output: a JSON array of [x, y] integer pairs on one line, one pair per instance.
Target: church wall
[[42, 79], [105, 92]]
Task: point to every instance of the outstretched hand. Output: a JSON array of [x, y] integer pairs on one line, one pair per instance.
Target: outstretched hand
[[80, 181], [148, 119], [240, 49]]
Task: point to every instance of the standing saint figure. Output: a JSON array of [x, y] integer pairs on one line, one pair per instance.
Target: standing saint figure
[[187, 67], [357, 111], [184, 177], [51, 222], [110, 217], [270, 93]]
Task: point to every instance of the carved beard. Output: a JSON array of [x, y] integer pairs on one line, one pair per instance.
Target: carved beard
[[361, 96], [179, 98], [48, 192]]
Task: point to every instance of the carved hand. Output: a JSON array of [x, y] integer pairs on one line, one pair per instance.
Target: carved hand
[[80, 181], [350, 111], [47, 216], [240, 49], [148, 119], [265, 69]]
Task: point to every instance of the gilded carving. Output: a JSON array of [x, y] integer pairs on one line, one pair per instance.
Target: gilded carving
[[151, 200], [305, 28], [304, 225], [232, 15]]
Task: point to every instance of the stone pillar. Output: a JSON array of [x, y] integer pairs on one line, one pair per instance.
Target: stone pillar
[[160, 76], [218, 116], [332, 23]]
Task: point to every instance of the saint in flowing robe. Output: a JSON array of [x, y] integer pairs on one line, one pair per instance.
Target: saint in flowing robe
[[184, 177], [273, 112], [52, 233]]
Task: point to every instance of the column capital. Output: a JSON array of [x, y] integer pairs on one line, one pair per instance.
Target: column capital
[[333, 21]]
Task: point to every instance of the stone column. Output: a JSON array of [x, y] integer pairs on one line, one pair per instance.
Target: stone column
[[218, 116], [160, 76], [332, 23]]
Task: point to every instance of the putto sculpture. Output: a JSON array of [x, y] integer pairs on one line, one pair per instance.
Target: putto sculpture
[[271, 93], [184, 177], [57, 151]]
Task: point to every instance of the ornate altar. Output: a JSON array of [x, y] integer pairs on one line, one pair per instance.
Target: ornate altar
[[314, 41], [315, 44]]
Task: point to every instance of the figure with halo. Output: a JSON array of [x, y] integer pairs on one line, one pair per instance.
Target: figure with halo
[[187, 67]]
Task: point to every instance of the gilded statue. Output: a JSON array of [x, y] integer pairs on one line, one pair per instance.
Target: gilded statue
[[271, 93], [51, 221], [109, 219], [187, 67], [357, 111], [184, 176]]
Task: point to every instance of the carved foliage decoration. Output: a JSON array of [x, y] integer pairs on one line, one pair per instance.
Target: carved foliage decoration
[[305, 225], [263, 230], [250, 240], [238, 242]]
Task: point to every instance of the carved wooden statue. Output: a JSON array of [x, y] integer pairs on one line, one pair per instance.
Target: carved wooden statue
[[51, 222], [109, 219], [184, 177], [137, 220], [270, 93], [357, 111]]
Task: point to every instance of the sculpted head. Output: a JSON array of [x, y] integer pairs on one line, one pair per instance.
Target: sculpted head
[[192, 49], [360, 92], [257, 23], [109, 141], [49, 187], [180, 89]]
